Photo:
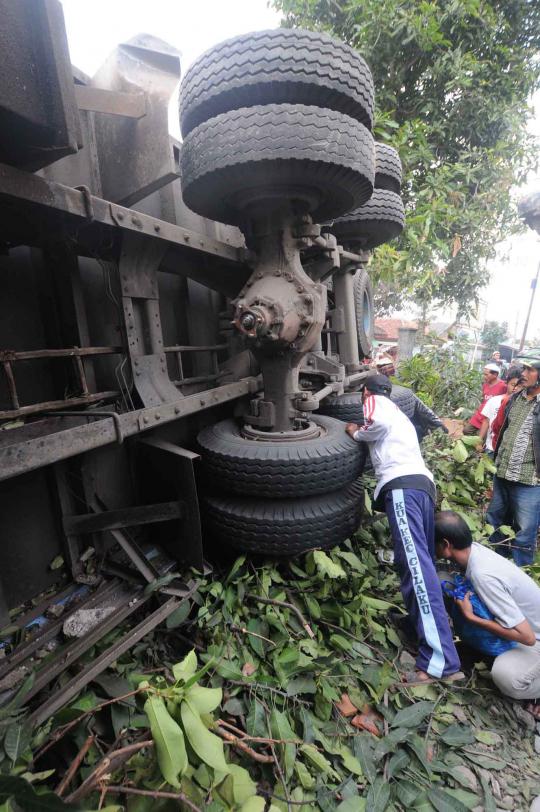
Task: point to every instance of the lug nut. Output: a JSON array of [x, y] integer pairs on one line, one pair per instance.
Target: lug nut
[[248, 322]]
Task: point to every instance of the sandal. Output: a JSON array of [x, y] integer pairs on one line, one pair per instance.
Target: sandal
[[412, 678]]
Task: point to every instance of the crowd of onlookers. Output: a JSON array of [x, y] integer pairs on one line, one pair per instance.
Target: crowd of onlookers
[[507, 424]]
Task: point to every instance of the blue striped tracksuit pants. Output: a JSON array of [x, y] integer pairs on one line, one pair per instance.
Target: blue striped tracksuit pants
[[411, 517]]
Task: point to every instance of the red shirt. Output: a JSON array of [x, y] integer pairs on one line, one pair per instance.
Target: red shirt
[[488, 391]]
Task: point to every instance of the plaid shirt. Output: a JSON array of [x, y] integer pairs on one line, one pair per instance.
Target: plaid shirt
[[515, 455]]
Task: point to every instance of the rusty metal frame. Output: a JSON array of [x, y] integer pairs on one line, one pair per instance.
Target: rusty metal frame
[[9, 357], [28, 189], [179, 349], [176, 466], [24, 449]]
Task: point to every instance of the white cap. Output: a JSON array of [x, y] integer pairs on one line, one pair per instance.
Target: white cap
[[493, 368], [384, 360]]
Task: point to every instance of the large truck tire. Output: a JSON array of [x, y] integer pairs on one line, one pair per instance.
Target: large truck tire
[[276, 67], [378, 221], [275, 469], [388, 171], [365, 312], [324, 159], [284, 527], [347, 408]]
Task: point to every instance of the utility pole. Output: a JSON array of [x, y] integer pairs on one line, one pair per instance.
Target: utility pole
[[529, 210], [534, 283]]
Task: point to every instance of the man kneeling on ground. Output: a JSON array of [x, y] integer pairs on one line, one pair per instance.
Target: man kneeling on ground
[[511, 596]]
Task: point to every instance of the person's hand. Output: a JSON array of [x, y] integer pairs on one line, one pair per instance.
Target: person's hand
[[351, 428], [466, 606], [479, 446]]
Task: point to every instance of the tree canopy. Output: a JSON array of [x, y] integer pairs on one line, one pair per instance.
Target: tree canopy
[[453, 83], [492, 335]]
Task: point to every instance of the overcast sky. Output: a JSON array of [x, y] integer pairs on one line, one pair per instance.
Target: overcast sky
[[95, 26]]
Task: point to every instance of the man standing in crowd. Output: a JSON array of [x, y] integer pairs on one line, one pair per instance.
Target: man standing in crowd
[[385, 366], [491, 409], [492, 386], [501, 363], [406, 491], [511, 596], [420, 415], [516, 484]]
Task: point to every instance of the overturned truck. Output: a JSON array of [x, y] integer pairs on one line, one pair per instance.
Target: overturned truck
[[182, 325]]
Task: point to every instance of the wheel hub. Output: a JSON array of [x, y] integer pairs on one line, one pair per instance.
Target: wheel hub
[[307, 430]]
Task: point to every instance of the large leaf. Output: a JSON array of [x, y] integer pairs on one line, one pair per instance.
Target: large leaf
[[363, 750], [180, 614], [256, 719], [185, 669], [353, 804], [489, 801], [378, 796], [301, 685], [413, 715], [169, 740], [457, 735], [304, 775], [351, 763], [397, 763], [243, 785], [376, 603], [308, 725], [18, 699], [207, 746], [17, 740], [255, 804], [326, 566], [205, 700], [318, 760], [444, 802], [459, 452], [406, 793], [281, 729]]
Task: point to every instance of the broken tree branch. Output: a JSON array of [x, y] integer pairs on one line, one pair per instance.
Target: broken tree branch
[[150, 793], [286, 605], [239, 744], [259, 739], [107, 765], [74, 766], [60, 732]]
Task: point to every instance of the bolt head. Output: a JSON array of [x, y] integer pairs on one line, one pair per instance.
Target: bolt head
[[248, 321]]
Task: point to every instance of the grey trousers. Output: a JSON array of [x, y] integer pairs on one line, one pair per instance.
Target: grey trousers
[[516, 673]]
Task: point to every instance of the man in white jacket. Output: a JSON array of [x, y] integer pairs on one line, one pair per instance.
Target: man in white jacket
[[405, 490]]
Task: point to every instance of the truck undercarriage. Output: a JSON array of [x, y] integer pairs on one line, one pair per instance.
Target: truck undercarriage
[[138, 335]]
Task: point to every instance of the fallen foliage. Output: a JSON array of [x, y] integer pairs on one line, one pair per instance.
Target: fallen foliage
[[287, 696]]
